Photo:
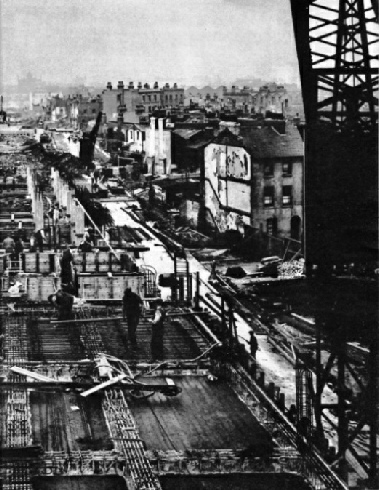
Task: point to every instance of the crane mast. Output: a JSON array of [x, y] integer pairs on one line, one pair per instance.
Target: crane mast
[[337, 46]]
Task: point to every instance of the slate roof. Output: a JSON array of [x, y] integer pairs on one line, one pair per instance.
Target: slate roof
[[187, 133], [266, 142]]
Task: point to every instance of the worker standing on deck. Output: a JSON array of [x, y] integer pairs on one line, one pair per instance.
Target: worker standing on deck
[[253, 344], [8, 244], [66, 265], [85, 246], [132, 307], [19, 247], [157, 331], [40, 237]]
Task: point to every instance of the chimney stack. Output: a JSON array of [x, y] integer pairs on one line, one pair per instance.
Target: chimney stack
[[109, 86], [156, 85], [131, 85], [175, 85], [120, 85], [139, 84]]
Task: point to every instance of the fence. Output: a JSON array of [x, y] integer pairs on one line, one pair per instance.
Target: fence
[[264, 400]]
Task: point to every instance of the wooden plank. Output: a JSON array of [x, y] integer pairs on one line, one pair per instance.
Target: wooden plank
[[101, 386], [31, 374]]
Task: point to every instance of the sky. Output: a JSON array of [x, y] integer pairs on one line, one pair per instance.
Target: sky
[[187, 41]]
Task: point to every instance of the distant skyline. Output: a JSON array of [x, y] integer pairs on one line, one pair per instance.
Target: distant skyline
[[191, 42]]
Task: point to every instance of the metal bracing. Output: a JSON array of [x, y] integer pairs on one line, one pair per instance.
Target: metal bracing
[[304, 399], [337, 47], [337, 43]]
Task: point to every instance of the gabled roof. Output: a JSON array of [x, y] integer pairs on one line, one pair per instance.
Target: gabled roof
[[266, 142], [226, 137]]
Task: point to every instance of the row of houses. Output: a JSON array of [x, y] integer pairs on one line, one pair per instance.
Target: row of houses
[[271, 97], [120, 104], [250, 168], [250, 171]]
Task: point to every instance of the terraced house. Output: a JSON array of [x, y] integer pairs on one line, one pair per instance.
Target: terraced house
[[253, 178]]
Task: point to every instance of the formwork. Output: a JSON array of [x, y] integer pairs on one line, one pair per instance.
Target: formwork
[[100, 286]]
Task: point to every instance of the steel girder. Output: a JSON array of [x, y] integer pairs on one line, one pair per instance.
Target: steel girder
[[337, 47]]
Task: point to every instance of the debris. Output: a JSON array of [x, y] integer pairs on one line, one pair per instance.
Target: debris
[[294, 268], [236, 272]]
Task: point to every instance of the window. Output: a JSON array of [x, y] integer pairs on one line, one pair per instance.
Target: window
[[268, 169], [93, 111], [137, 133], [287, 168], [149, 98], [155, 98], [84, 111], [268, 198], [143, 98], [287, 195]]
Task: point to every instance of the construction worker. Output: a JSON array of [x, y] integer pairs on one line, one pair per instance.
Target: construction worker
[[8, 244], [253, 344], [213, 276], [19, 247], [132, 308], [85, 246], [64, 302], [40, 237], [157, 331], [66, 265]]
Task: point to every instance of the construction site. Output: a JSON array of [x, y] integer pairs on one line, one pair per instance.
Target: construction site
[[266, 375]]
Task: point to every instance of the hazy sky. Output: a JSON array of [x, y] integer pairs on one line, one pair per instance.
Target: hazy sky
[[188, 41]]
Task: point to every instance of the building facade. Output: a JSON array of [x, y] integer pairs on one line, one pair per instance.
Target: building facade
[[127, 104], [255, 179]]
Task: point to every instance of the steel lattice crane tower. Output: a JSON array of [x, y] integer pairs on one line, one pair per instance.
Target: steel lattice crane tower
[[337, 46]]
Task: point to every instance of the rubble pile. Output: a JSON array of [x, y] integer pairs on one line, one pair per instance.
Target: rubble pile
[[293, 268], [10, 143]]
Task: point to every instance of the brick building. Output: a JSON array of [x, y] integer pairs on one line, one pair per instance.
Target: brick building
[[129, 103], [271, 98]]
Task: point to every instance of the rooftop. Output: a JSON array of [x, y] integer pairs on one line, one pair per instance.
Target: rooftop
[[266, 142]]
